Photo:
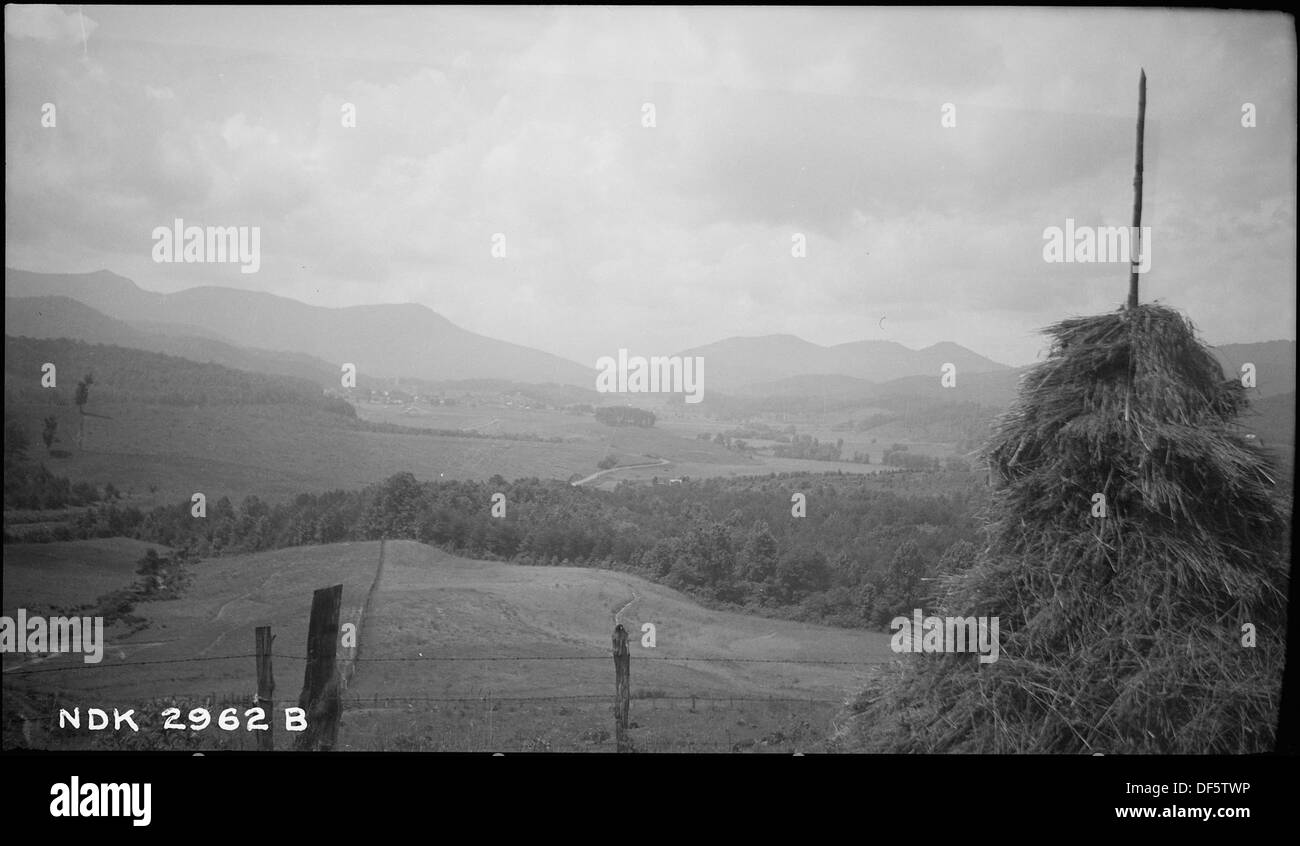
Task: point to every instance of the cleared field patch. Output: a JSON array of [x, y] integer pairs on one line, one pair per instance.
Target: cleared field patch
[[759, 466], [630, 444], [532, 666], [277, 452]]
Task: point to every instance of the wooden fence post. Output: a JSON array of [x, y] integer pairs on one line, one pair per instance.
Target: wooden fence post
[[265, 687], [622, 688], [320, 684]]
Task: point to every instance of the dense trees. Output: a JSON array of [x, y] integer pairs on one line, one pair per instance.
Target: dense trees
[[33, 487], [625, 415], [16, 441], [900, 591], [81, 398], [856, 559], [806, 446], [49, 432], [898, 456], [29, 485]]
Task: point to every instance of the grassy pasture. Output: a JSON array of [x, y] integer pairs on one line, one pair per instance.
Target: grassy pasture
[[431, 604], [278, 452], [435, 605]]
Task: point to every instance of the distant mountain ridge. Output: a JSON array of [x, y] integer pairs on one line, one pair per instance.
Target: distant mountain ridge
[[735, 363], [383, 340], [271, 334], [1274, 365]]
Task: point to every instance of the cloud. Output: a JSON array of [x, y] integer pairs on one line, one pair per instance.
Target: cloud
[[770, 121], [48, 23]]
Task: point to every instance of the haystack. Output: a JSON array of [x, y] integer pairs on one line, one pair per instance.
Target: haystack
[[1120, 633]]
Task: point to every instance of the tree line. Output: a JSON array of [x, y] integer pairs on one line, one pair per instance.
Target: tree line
[[623, 415], [858, 558]]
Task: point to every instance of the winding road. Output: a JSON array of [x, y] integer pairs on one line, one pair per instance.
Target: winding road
[[662, 462]]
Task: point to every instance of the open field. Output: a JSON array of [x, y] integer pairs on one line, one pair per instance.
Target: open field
[[761, 466], [628, 443], [671, 439], [278, 452], [162, 454], [432, 605]]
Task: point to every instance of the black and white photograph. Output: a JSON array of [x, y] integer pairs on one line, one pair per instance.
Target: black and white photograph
[[648, 380]]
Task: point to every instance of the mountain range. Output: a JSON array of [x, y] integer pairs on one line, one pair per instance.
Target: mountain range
[[738, 362], [271, 334]]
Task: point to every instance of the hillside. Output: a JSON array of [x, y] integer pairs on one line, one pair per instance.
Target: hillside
[[430, 605], [123, 374], [63, 317], [995, 389], [384, 340], [810, 386], [1274, 365], [1272, 419]]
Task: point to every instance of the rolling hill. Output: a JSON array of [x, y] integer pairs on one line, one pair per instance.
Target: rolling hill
[[126, 374], [430, 606], [383, 340], [64, 317]]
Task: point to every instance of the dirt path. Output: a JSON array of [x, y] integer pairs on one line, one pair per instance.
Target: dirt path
[[662, 462], [619, 613]]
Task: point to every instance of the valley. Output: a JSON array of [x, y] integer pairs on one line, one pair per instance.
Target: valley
[[484, 634]]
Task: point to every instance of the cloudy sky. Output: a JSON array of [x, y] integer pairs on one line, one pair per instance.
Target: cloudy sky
[[768, 123]]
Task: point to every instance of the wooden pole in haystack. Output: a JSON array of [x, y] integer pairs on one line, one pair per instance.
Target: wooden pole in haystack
[[1137, 195], [1121, 628]]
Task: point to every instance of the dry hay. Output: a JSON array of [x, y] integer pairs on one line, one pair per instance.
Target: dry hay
[[1120, 634]]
